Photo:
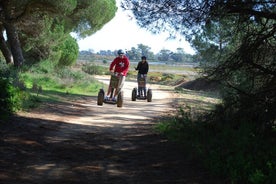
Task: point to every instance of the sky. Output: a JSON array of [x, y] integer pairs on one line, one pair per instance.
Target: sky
[[122, 32]]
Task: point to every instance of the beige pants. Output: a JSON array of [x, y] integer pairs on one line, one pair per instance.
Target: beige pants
[[119, 85], [121, 82]]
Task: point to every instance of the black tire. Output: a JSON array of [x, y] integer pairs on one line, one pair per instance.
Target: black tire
[[149, 95], [120, 98], [134, 94], [100, 99]]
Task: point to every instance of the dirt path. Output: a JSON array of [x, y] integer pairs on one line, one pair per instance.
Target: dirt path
[[80, 142]]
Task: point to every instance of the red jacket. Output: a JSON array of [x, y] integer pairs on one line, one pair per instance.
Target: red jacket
[[121, 65]]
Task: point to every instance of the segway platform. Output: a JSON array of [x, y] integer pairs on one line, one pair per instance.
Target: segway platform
[[146, 95], [101, 94], [135, 97]]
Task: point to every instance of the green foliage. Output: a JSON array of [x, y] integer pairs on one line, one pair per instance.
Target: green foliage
[[67, 73], [44, 66], [69, 52], [44, 26], [236, 45], [43, 42], [236, 152], [245, 66], [11, 98], [4, 70], [60, 79], [91, 18], [94, 69]]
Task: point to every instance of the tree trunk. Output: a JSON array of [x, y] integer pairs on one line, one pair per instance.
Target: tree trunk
[[5, 50], [15, 45]]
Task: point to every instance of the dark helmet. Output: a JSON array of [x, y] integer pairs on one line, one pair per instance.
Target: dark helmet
[[120, 51], [144, 57]]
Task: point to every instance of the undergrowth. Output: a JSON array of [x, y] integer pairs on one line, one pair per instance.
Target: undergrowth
[[237, 153], [64, 79], [27, 87]]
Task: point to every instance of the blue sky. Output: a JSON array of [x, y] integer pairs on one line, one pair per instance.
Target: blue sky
[[122, 32]]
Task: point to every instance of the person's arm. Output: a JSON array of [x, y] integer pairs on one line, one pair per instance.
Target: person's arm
[[147, 67], [112, 65], [138, 66]]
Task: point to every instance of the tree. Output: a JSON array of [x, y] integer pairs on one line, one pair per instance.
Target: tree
[[236, 40], [164, 55], [69, 52], [134, 54], [36, 24], [141, 50], [145, 51], [179, 55]]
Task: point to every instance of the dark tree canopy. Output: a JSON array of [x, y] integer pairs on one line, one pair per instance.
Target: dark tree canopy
[[188, 16], [236, 42]]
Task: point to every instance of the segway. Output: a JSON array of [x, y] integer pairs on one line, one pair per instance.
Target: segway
[[114, 81], [141, 93]]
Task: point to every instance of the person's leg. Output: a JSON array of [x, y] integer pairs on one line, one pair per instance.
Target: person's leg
[[145, 92], [120, 85], [145, 86], [139, 91], [108, 90], [139, 85]]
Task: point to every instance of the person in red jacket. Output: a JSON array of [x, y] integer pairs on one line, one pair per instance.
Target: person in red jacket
[[120, 66]]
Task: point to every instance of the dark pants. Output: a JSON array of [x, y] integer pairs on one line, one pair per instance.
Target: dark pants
[[142, 81]]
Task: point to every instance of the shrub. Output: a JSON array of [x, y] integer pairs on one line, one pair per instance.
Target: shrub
[[43, 67], [67, 73], [10, 96], [230, 150], [70, 50], [93, 69]]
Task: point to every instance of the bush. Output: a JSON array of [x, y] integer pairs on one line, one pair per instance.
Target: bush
[[9, 94], [43, 67], [230, 150], [67, 73], [93, 69], [10, 98], [70, 50]]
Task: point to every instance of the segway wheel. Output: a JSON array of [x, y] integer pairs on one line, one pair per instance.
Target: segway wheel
[[134, 94], [120, 99], [149, 95], [100, 97]]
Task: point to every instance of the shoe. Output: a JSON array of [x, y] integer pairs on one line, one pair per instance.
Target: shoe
[[114, 99], [106, 98]]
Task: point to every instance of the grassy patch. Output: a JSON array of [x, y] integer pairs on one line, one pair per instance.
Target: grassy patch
[[44, 83], [198, 102]]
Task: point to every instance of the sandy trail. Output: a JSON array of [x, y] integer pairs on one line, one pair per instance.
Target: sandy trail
[[80, 142]]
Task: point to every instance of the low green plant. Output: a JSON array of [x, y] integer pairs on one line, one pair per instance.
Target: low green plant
[[11, 97], [230, 150], [63, 80], [43, 67], [94, 69]]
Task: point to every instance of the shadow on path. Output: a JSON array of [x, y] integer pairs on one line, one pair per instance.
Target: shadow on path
[[44, 151]]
